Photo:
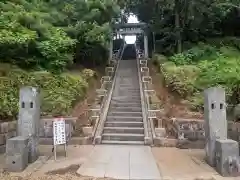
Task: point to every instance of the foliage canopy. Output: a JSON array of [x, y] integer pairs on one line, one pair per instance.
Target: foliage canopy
[[50, 34]]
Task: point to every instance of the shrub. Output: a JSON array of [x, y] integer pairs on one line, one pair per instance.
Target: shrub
[[88, 73], [59, 92], [227, 41], [224, 72], [159, 59], [201, 67], [180, 78], [195, 54]]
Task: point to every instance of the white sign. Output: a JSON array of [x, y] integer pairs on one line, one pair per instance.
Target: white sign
[[59, 131]]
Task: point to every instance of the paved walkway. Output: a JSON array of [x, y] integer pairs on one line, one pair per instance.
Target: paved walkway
[[121, 162]]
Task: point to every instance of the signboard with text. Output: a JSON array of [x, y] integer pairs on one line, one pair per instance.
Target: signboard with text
[[59, 131], [59, 135]]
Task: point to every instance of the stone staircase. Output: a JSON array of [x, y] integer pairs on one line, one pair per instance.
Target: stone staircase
[[124, 123]]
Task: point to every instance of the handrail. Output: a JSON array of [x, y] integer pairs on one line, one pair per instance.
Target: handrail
[[150, 118], [147, 139], [106, 102], [105, 97], [102, 105], [146, 81], [121, 50]]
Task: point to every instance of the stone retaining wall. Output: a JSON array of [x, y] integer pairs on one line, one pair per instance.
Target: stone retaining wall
[[234, 131], [9, 130], [192, 129], [189, 133]]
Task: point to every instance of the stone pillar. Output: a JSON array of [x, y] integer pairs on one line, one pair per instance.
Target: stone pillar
[[29, 119], [110, 50], [215, 120], [145, 46]]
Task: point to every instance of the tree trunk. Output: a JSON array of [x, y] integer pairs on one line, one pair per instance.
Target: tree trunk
[[177, 26]]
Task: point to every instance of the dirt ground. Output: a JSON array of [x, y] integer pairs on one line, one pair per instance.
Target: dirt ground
[[82, 107], [67, 176], [46, 168]]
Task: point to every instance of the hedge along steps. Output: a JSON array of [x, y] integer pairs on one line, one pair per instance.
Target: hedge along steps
[[190, 72]]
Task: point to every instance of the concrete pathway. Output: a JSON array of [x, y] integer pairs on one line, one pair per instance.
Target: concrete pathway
[[121, 162]]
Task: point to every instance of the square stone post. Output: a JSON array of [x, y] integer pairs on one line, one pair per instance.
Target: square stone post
[[110, 50], [17, 154], [227, 157], [215, 120], [145, 46], [29, 119]]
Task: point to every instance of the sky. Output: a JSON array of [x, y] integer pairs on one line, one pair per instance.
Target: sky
[[131, 39]]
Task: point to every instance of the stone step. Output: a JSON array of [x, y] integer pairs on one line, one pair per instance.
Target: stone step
[[129, 83], [132, 130], [124, 118], [125, 104], [123, 124], [117, 96], [125, 95], [126, 100], [123, 142], [125, 114], [128, 80], [128, 91], [126, 109], [129, 88], [129, 99], [132, 86], [123, 137]]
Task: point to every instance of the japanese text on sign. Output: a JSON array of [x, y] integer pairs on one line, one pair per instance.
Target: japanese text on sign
[[59, 131]]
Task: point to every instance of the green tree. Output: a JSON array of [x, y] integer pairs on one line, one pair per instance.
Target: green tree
[[49, 34]]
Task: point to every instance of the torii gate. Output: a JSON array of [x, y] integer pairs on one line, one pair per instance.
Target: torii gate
[[128, 29]]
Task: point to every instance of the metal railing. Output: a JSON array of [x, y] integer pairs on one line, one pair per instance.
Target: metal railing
[[150, 108], [104, 94]]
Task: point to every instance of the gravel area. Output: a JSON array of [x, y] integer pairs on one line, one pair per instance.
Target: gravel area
[[67, 176]]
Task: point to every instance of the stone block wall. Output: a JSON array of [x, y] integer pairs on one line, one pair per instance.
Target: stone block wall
[[7, 130], [190, 132], [46, 128], [191, 129], [234, 131]]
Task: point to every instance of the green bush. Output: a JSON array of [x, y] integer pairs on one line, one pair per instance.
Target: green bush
[[159, 59], [180, 78], [224, 72], [59, 92], [227, 41], [195, 54], [51, 34], [201, 67]]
